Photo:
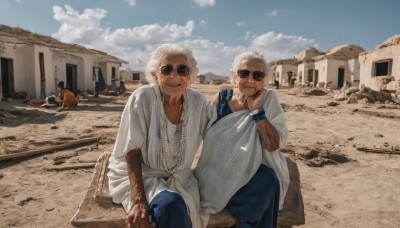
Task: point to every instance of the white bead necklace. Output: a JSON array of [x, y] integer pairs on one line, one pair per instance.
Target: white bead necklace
[[165, 152]]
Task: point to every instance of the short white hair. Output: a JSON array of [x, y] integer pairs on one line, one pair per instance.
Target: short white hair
[[162, 51], [253, 55]]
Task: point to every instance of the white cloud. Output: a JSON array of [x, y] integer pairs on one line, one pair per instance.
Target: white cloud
[[205, 52], [240, 24], [276, 46], [126, 43], [135, 44], [217, 57], [202, 23], [131, 2], [18, 1], [78, 28], [149, 34], [213, 57], [273, 13], [247, 36], [204, 3]]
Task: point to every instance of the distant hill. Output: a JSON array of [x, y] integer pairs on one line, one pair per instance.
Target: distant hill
[[209, 77]]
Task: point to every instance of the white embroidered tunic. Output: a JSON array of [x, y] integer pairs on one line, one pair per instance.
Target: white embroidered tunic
[[233, 151], [140, 126]]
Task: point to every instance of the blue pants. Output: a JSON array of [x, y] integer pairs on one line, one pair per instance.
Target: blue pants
[[168, 209], [257, 203]]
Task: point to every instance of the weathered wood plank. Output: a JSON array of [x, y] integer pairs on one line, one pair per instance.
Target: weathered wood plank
[[73, 166], [97, 214], [378, 150], [48, 149], [292, 212], [102, 183]]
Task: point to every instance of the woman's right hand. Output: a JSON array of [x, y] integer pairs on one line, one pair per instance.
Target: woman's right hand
[[138, 216], [256, 101]]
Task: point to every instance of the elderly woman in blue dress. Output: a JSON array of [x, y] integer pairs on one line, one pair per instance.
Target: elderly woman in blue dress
[[161, 129], [241, 168]]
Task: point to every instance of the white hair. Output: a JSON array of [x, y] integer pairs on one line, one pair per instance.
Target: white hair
[[247, 56], [167, 49]]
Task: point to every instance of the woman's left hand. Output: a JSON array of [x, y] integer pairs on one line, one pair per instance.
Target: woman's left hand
[[138, 216], [256, 101]]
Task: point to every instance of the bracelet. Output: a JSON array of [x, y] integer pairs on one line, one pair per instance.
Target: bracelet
[[259, 116], [257, 111]]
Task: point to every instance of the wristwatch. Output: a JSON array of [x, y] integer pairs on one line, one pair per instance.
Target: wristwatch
[[258, 114], [257, 111]]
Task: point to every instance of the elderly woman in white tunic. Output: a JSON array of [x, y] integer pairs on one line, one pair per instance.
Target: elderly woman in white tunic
[[161, 129], [241, 168]]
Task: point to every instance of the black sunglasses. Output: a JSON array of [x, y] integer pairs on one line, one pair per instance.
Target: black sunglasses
[[182, 70], [257, 75]]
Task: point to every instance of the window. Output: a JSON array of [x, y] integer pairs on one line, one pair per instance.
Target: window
[[136, 76], [113, 72], [383, 67]]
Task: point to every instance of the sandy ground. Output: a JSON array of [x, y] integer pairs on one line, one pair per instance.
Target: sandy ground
[[362, 192]]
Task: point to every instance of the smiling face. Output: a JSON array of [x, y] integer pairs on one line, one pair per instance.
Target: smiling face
[[172, 85], [248, 86]]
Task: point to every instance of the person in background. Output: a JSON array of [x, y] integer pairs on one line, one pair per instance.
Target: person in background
[[160, 132], [69, 100], [276, 82], [121, 88], [241, 168], [99, 81], [292, 81]]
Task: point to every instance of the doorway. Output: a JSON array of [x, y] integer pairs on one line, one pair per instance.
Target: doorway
[[289, 78], [7, 77], [310, 75], [315, 81], [340, 77], [42, 76], [71, 72]]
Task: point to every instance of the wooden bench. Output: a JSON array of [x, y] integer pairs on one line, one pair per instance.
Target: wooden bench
[[97, 209]]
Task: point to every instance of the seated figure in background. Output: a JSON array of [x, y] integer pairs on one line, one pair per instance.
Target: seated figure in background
[[121, 88], [69, 100]]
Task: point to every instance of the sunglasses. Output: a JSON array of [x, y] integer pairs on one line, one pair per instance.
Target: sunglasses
[[257, 75], [182, 70]]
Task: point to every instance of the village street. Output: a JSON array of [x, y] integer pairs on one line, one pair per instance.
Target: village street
[[351, 189]]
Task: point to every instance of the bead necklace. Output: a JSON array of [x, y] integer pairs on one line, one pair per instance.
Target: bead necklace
[[165, 152]]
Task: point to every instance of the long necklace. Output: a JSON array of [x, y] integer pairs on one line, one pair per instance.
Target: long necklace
[[171, 153], [165, 152], [179, 114]]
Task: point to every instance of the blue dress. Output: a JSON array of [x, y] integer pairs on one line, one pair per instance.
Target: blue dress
[[168, 210]]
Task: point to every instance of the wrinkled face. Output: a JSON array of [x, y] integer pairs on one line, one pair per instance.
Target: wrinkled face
[[171, 82], [248, 86]]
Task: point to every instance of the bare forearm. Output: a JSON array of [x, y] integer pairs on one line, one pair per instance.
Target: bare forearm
[[133, 160], [269, 134]]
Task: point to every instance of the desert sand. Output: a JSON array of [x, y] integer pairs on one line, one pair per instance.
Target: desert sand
[[342, 187]]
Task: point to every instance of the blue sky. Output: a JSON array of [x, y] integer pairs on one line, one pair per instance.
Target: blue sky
[[216, 30]]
